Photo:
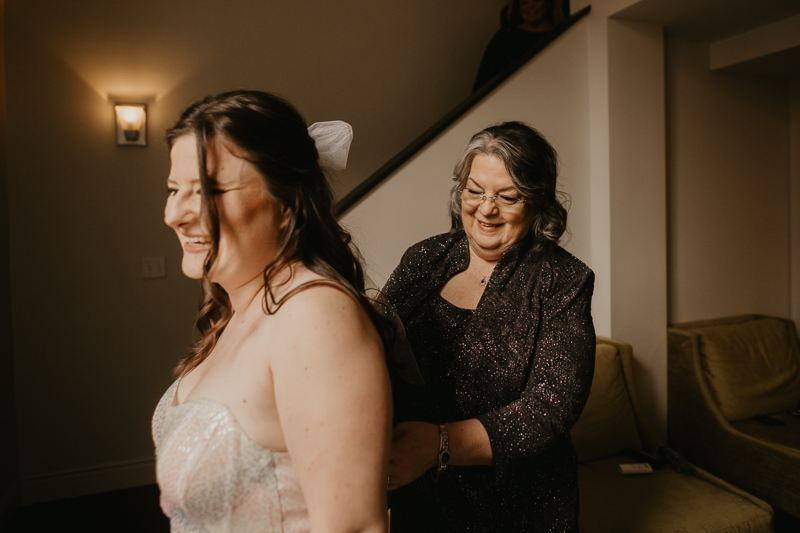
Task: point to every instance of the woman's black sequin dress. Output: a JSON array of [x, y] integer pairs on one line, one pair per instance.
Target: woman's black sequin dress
[[521, 363]]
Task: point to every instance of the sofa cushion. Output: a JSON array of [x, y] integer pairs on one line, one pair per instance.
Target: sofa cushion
[[662, 502], [607, 424], [752, 368]]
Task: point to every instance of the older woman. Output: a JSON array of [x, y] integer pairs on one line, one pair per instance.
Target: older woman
[[499, 318], [280, 417]]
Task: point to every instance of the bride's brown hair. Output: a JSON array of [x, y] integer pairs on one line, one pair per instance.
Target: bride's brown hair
[[270, 133]]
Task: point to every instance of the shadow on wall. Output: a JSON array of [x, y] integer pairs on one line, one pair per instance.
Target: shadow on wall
[[94, 343]]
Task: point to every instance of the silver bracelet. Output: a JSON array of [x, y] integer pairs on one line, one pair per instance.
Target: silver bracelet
[[444, 453]]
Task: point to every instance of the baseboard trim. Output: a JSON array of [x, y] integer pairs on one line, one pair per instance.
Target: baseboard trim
[[8, 505], [81, 482]]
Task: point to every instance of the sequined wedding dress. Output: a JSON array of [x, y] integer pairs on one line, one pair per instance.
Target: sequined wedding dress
[[214, 479]]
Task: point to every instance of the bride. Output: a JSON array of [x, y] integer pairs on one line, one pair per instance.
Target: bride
[[280, 417]]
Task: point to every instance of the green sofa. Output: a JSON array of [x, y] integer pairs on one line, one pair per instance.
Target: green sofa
[[723, 373], [664, 501]]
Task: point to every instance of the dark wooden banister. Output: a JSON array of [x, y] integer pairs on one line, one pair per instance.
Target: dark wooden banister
[[364, 188]]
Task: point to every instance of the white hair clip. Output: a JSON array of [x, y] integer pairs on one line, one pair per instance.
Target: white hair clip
[[333, 142]]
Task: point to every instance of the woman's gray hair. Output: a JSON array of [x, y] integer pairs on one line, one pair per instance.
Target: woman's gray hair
[[532, 164]]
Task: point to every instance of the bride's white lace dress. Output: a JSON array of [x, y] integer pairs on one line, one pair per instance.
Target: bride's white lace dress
[[213, 478]]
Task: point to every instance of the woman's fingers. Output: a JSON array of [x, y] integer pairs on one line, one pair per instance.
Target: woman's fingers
[[415, 449]]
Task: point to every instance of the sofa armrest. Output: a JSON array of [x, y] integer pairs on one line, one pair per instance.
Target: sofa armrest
[[698, 429]]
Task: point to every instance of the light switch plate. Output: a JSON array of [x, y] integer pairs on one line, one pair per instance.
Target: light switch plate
[[154, 267]]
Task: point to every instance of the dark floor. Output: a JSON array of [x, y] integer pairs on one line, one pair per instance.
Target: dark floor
[[133, 510], [137, 511], [786, 523]]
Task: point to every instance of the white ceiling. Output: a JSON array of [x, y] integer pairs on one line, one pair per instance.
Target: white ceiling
[[712, 20]]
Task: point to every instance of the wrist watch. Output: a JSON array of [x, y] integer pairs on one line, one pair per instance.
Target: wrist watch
[[444, 448], [444, 453]]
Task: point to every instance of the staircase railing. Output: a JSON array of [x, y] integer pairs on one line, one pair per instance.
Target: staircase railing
[[364, 188]]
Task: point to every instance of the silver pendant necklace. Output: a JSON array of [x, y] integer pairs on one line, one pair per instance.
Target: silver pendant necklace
[[482, 282]]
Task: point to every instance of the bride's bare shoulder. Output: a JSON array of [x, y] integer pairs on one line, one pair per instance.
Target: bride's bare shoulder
[[321, 297], [322, 310], [307, 299]]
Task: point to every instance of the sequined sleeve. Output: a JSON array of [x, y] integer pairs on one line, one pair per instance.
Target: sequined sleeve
[[562, 365], [415, 276], [398, 283]]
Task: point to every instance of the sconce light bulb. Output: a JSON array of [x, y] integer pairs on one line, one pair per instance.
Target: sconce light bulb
[[130, 116], [130, 124]]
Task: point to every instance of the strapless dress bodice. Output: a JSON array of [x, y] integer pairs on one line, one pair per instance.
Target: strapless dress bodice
[[214, 479]]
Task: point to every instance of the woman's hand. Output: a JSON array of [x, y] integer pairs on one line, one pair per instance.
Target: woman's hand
[[415, 449]]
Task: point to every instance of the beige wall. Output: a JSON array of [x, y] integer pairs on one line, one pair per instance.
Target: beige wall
[[628, 200], [9, 479], [599, 115], [94, 342], [728, 145], [551, 94], [638, 205]]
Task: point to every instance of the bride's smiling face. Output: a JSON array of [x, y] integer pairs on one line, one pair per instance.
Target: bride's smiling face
[[250, 221]]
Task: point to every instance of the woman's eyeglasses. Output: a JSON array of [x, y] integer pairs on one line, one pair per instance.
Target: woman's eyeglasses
[[474, 199]]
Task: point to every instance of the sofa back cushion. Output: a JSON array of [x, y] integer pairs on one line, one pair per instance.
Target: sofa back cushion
[[607, 424], [752, 368]]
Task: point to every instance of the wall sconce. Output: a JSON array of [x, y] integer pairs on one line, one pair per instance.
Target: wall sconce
[[131, 124]]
